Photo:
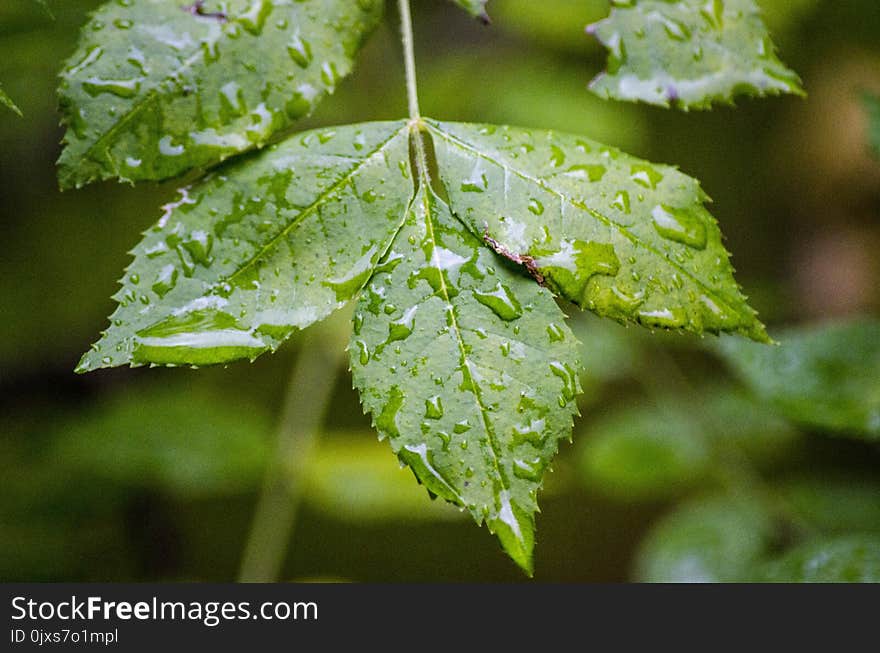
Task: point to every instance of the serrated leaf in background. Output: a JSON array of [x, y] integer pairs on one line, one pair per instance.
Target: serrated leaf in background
[[156, 88], [263, 246], [617, 235], [826, 377], [689, 54]]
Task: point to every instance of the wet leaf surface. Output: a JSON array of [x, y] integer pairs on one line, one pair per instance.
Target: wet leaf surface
[[614, 234], [157, 88], [268, 244], [459, 350], [468, 369], [689, 54]]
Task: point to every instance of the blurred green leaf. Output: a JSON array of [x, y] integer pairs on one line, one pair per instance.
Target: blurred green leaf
[[661, 449], [832, 505], [531, 90], [476, 8], [557, 24], [847, 559], [872, 106], [6, 101], [609, 351], [644, 452], [689, 54], [351, 476], [781, 15], [156, 88], [707, 540], [172, 438], [826, 377], [731, 418]]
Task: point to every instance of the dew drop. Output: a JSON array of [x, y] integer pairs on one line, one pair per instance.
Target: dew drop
[[536, 207], [434, 407], [681, 225], [300, 51], [501, 301], [165, 280]]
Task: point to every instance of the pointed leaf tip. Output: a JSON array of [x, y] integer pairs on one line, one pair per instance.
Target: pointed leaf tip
[[515, 530], [468, 369], [254, 252], [622, 237], [476, 8]]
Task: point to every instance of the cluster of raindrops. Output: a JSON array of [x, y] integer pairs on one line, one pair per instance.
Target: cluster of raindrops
[[688, 53], [145, 66], [616, 235]]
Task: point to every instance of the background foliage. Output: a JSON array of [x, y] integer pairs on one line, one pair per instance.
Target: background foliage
[[678, 471]]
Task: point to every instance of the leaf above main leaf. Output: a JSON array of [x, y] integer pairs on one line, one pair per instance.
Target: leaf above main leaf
[[689, 53], [468, 368], [476, 8], [268, 244], [157, 88], [619, 236]]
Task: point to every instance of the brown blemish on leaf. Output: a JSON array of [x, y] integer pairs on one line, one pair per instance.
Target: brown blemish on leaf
[[520, 259], [197, 8]]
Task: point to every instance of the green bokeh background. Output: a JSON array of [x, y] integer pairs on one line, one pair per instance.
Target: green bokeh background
[[145, 474]]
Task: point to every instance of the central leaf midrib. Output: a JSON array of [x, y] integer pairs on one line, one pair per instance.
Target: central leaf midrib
[[464, 360], [590, 211]]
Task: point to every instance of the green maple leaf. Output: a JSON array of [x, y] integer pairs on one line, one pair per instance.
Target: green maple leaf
[[459, 351], [157, 88], [689, 54]]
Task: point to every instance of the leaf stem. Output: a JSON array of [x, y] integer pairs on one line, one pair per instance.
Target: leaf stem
[[306, 401], [409, 59]]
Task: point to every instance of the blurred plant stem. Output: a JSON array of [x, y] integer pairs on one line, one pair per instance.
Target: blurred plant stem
[[306, 402]]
